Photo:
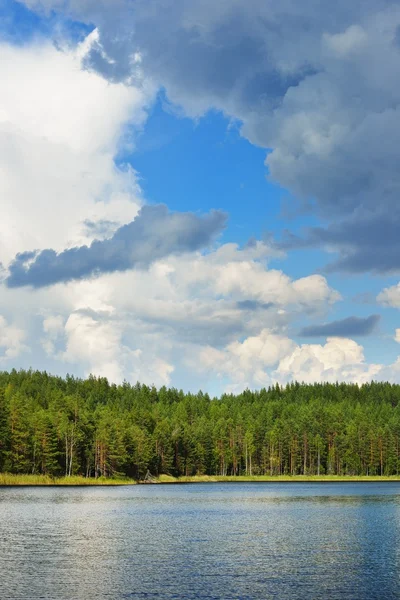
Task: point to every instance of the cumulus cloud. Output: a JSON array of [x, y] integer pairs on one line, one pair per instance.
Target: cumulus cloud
[[146, 322], [12, 341], [96, 345], [269, 358], [154, 234], [60, 128], [243, 275], [245, 363], [352, 326], [171, 323], [95, 342], [315, 84], [182, 299], [53, 328], [211, 298], [340, 359], [390, 296]]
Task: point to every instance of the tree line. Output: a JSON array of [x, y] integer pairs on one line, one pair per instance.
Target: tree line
[[70, 426]]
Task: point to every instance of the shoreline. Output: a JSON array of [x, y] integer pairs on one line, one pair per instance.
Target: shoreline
[[10, 480]]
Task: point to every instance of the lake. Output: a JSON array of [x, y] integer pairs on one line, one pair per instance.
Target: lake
[[220, 541]]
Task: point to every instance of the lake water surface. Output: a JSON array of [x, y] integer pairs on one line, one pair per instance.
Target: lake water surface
[[225, 541]]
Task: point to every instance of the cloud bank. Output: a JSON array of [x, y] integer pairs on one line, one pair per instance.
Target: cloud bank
[[352, 326], [311, 83], [315, 83], [155, 233]]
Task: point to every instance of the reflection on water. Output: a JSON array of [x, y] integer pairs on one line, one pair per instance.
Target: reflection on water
[[220, 541]]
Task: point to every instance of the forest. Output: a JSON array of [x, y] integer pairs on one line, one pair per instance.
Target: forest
[[68, 426]]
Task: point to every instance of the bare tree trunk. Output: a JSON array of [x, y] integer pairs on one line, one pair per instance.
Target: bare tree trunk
[[71, 453], [34, 457], [271, 460], [66, 455]]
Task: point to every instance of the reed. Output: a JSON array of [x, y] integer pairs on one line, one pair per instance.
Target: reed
[[274, 478], [8, 479], [11, 479]]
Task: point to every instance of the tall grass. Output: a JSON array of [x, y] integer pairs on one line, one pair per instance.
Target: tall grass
[[9, 479], [249, 478]]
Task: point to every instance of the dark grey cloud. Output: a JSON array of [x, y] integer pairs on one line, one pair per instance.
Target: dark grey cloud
[[352, 326], [154, 234], [314, 82], [254, 305], [367, 241]]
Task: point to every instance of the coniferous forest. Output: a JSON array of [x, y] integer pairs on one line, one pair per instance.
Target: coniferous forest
[[55, 426]]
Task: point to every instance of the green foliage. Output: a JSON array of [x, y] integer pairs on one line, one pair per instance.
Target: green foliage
[[56, 427]]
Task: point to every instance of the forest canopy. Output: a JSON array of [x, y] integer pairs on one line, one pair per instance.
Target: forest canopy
[[69, 426]]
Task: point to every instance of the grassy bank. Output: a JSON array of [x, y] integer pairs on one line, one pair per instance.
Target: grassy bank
[[276, 478], [9, 479]]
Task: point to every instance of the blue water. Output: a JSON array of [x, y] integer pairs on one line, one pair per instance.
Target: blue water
[[220, 541]]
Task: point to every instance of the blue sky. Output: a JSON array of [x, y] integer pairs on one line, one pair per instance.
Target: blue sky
[[280, 217]]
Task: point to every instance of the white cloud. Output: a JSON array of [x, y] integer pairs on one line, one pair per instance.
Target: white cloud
[[59, 131], [53, 324], [58, 101], [245, 363], [268, 358], [211, 298], [390, 296], [97, 344], [155, 326], [53, 328], [238, 274], [12, 341], [139, 325], [339, 359]]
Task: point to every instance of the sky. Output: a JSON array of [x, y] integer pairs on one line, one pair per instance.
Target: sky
[[201, 194]]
